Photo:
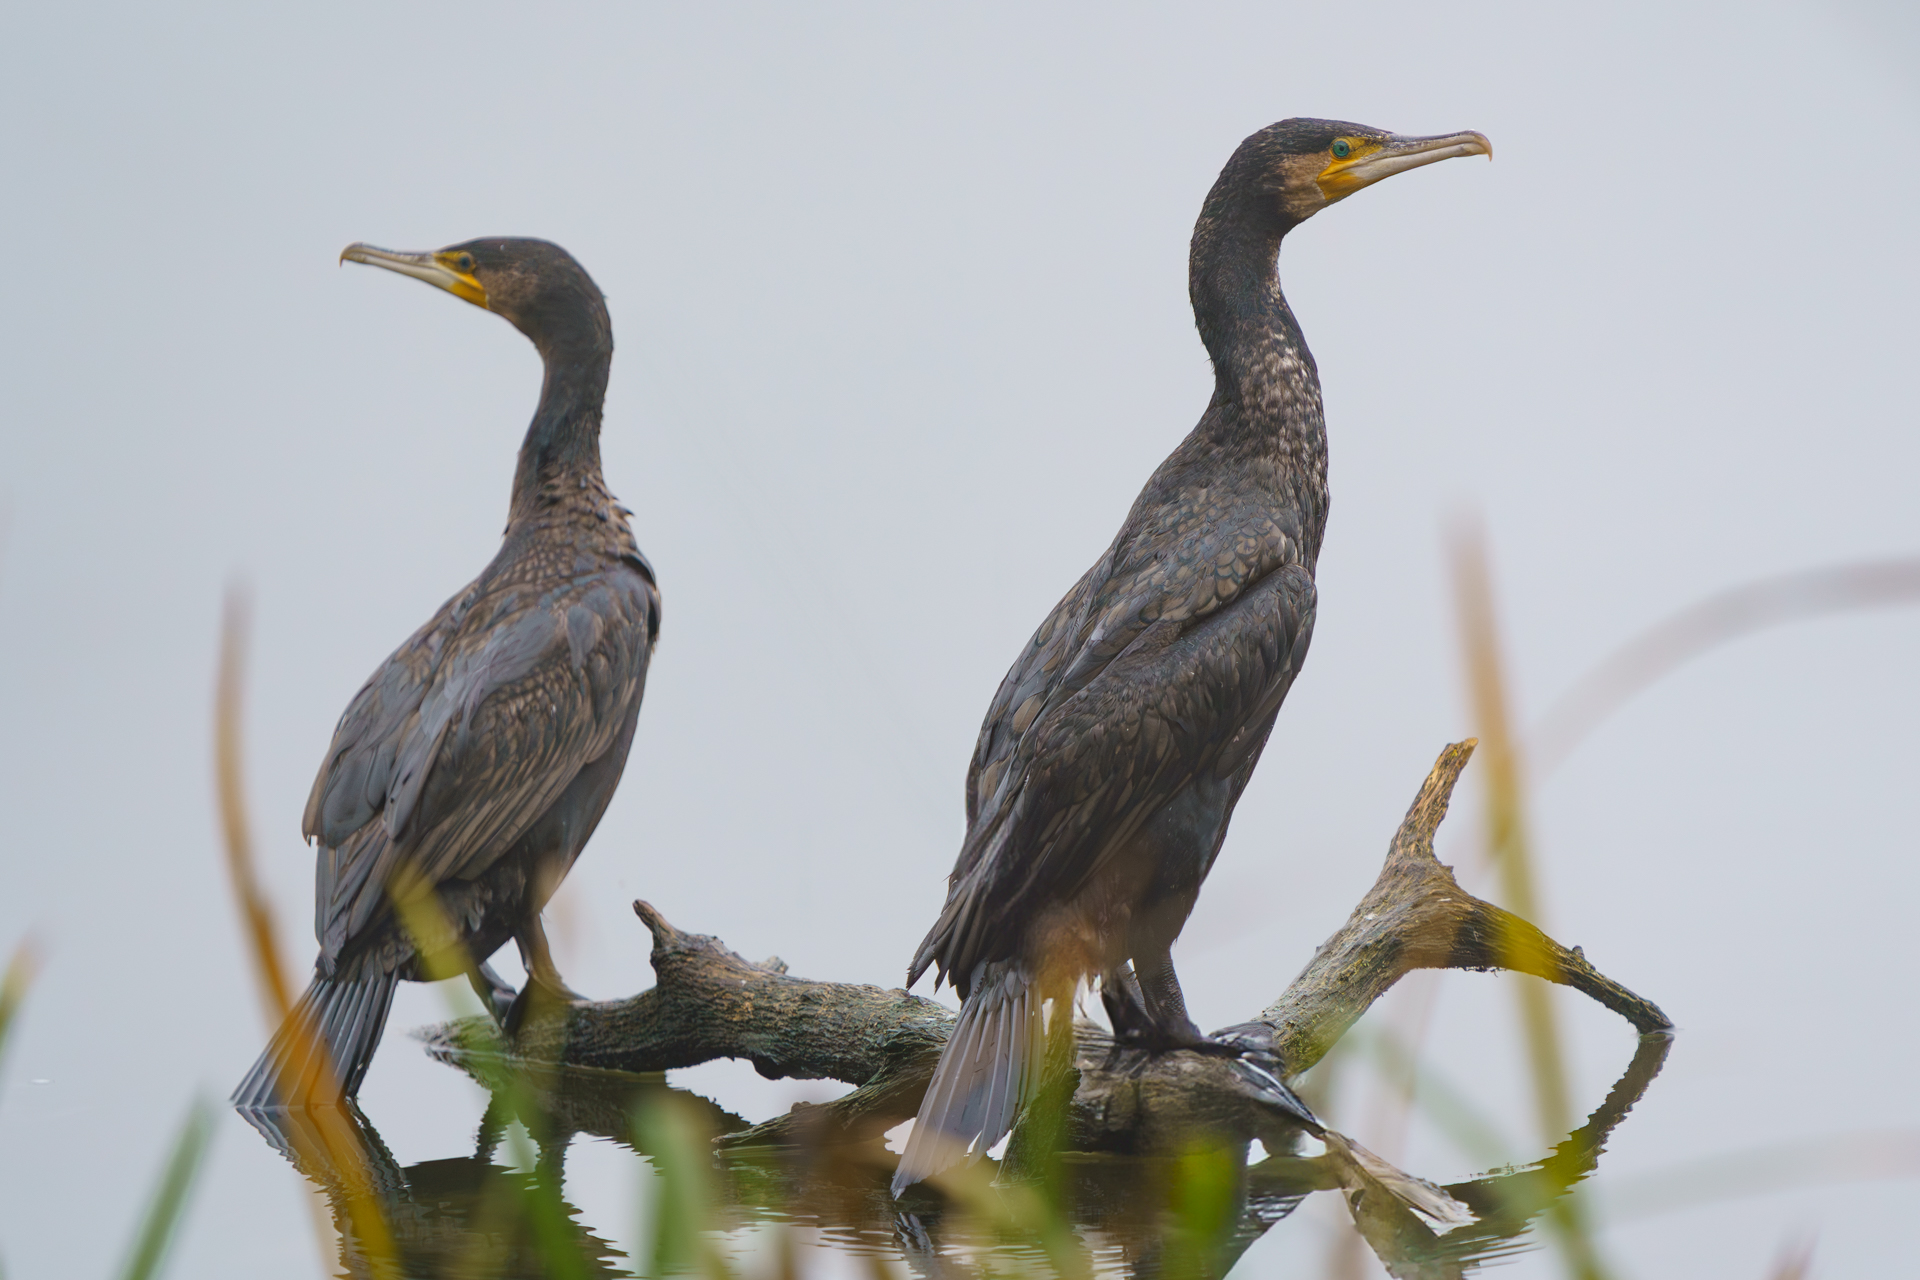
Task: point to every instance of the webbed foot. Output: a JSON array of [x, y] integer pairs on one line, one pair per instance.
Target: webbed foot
[[1252, 1040]]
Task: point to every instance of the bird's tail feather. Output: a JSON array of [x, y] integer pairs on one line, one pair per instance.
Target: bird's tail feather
[[326, 1042], [990, 1068]]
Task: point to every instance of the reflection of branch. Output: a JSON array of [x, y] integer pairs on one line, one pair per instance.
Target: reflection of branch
[[710, 1003], [1505, 1203], [439, 1218], [841, 1189], [1660, 649], [1511, 1199], [1704, 624]]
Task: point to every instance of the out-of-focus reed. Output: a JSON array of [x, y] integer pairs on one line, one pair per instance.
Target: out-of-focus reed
[[168, 1205], [1510, 851], [1628, 670], [332, 1139], [21, 968]]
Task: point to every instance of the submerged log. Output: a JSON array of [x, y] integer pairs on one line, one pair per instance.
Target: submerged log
[[708, 1003]]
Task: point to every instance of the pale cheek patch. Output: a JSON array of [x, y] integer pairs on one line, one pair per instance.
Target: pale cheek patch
[[1300, 193]]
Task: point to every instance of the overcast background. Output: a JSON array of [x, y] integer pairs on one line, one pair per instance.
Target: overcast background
[[900, 300]]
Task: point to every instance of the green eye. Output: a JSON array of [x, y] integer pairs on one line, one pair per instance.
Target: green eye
[[1342, 149], [464, 262]]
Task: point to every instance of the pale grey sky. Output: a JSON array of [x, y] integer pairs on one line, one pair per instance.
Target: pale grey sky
[[900, 304]]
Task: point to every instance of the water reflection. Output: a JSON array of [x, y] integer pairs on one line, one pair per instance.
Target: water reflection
[[465, 1216], [476, 1217]]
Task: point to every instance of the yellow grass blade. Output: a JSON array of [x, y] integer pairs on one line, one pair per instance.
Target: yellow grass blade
[[19, 976], [337, 1144], [256, 915]]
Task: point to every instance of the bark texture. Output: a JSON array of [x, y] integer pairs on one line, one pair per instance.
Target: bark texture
[[708, 1003]]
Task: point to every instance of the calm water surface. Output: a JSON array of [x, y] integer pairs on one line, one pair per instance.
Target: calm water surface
[[523, 1195]]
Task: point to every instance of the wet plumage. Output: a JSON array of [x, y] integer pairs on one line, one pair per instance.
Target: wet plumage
[[1112, 757], [479, 757]]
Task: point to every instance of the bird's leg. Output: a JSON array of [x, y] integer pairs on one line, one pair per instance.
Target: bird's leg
[[1167, 1004], [493, 990], [538, 958], [1139, 1033], [1149, 1013], [1160, 987], [1126, 1014], [544, 983]]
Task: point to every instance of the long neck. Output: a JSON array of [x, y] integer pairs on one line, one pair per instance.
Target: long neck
[[563, 441], [1266, 399], [1265, 382]]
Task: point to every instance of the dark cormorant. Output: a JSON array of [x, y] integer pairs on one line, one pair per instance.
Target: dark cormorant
[[1111, 758], [479, 757]]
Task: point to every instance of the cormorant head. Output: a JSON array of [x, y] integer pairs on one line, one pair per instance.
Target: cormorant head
[[1306, 165], [535, 284]]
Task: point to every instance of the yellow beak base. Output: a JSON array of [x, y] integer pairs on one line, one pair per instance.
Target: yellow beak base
[[431, 267], [1369, 163]]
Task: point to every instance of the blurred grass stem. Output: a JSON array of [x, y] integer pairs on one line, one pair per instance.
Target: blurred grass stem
[[1508, 850], [256, 915], [441, 956], [19, 976], [1506, 832], [1796, 1261], [338, 1142], [1725, 615], [684, 1231], [1655, 652], [162, 1220]]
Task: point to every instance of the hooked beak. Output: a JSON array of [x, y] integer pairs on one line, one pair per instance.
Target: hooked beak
[[1344, 177], [421, 266]]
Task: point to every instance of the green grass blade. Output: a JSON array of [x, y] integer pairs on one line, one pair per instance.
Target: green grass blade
[[1509, 851], [683, 1220], [170, 1199]]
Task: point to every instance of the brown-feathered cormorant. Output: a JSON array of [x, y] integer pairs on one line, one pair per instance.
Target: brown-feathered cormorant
[[479, 757], [1111, 758]]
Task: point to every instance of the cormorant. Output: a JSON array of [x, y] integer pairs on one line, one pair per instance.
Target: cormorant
[[478, 759], [1110, 761]]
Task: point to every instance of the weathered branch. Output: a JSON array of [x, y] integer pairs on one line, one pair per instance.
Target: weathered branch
[[708, 1002], [1417, 916]]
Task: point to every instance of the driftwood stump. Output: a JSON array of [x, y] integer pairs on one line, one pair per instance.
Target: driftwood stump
[[708, 1003]]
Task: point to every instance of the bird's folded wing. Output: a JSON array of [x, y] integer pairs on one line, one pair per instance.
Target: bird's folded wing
[[1176, 561], [1183, 697], [469, 733], [1030, 684]]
